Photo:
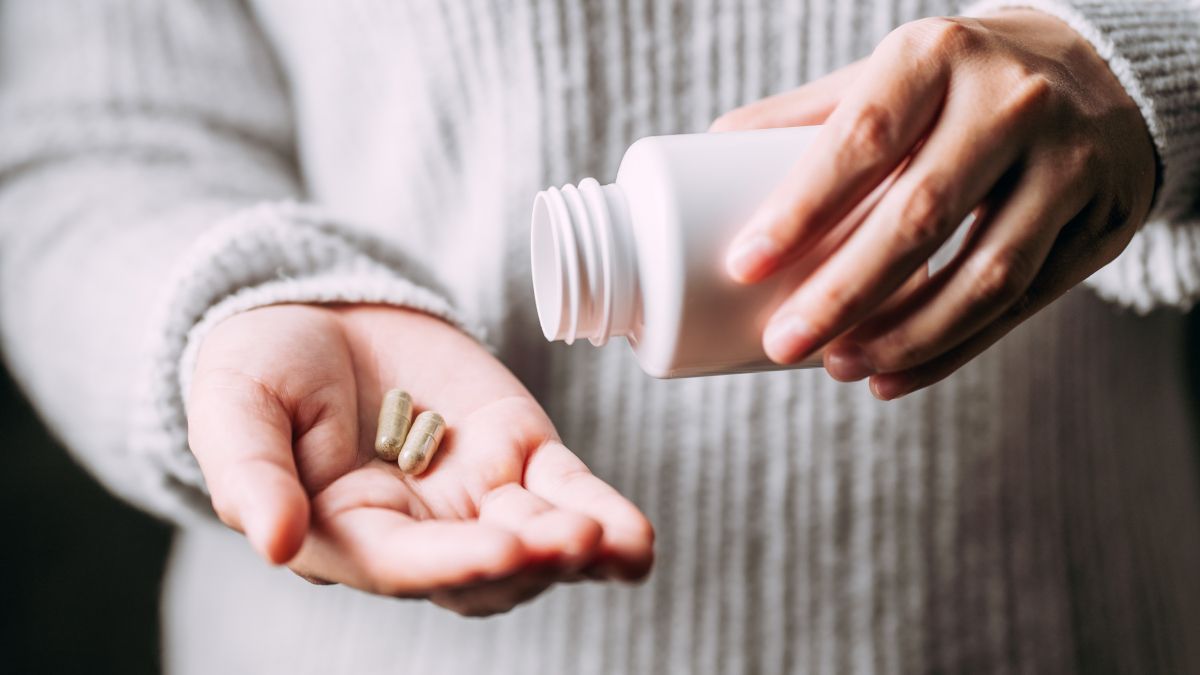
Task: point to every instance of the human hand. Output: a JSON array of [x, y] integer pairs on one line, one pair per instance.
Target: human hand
[[281, 415], [1014, 118]]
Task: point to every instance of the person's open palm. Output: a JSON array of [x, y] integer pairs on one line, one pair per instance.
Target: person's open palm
[[282, 412]]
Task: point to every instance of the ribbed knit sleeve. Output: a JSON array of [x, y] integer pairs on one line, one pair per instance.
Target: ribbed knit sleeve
[[147, 190], [1153, 47]]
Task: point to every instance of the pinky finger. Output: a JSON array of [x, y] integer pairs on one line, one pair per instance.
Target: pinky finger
[[1051, 283], [998, 263]]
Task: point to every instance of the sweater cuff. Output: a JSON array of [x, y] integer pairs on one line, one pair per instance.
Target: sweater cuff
[[1153, 48], [270, 254], [1159, 268]]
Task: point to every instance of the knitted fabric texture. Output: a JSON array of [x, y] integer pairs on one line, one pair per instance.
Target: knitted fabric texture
[[165, 165]]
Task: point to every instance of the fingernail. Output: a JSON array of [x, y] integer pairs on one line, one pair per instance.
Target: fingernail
[[787, 338], [752, 257], [888, 388], [848, 363]]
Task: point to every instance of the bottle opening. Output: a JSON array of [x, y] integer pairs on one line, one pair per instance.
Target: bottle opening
[[548, 271], [584, 283]]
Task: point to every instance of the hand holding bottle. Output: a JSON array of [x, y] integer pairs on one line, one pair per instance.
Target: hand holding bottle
[[1013, 117], [282, 414]]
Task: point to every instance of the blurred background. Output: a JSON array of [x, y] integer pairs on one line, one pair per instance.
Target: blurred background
[[80, 570]]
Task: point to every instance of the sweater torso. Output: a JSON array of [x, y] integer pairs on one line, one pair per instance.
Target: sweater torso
[[1016, 517]]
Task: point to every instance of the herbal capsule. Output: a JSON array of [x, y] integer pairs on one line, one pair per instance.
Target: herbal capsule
[[395, 414], [422, 442]]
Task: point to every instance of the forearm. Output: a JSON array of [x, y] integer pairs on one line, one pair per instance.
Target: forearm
[[147, 188], [90, 240]]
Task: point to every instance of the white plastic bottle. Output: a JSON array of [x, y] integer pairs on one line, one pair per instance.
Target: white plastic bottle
[[643, 257]]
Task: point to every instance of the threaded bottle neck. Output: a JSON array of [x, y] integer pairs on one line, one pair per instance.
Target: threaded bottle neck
[[584, 270]]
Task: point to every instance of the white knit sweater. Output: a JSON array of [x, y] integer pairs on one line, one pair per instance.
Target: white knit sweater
[[166, 164]]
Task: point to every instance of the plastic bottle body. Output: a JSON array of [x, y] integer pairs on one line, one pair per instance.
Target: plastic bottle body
[[644, 258]]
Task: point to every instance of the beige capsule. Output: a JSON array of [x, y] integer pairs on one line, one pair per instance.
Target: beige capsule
[[395, 415], [422, 443]]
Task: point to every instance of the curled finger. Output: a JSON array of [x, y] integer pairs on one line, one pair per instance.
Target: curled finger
[[563, 540], [992, 272], [955, 169], [386, 552], [1074, 241], [627, 541]]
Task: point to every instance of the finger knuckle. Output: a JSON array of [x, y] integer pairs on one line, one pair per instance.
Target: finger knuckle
[[893, 351], [1029, 92], [868, 134], [952, 35], [1013, 72], [834, 303], [1083, 160], [921, 220], [936, 37], [1000, 278]]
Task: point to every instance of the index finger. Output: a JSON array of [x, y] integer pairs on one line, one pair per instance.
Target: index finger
[[871, 132]]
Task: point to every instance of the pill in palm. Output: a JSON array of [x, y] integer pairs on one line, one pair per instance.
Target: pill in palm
[[422, 442], [395, 415]]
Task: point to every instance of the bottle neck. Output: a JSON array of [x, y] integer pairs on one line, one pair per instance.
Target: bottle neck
[[584, 267]]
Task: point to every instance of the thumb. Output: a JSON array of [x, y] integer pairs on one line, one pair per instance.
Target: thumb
[[241, 436], [807, 105]]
